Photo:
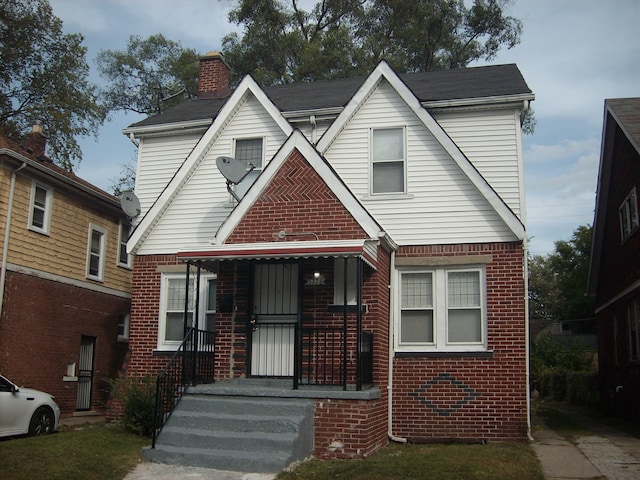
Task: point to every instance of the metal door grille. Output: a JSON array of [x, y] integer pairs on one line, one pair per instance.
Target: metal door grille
[[85, 373]]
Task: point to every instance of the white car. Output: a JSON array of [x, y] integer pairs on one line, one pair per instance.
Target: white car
[[26, 411]]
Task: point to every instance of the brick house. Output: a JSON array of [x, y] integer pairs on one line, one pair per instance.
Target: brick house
[[614, 274], [376, 245], [65, 284]]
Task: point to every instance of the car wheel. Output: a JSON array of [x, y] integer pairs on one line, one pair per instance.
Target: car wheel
[[42, 422]]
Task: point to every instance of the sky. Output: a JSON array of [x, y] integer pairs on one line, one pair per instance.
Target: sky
[[573, 54]]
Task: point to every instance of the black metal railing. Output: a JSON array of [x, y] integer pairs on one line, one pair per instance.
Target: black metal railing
[[321, 356], [366, 358], [191, 364]]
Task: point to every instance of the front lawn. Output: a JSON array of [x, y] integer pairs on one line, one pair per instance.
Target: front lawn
[[493, 461], [97, 452]]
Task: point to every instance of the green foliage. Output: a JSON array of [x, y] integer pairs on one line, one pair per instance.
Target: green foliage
[[282, 43], [138, 398], [44, 79], [125, 181], [148, 77], [558, 283]]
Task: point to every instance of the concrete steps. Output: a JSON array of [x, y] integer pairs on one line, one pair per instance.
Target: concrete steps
[[233, 432]]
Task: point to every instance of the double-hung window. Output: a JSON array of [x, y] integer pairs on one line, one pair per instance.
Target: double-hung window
[[388, 165], [441, 309], [96, 249], [339, 278], [40, 208], [249, 152], [172, 307], [629, 215], [124, 259]]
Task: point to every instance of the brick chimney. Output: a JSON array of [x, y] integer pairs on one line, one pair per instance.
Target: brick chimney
[[35, 142], [215, 76]]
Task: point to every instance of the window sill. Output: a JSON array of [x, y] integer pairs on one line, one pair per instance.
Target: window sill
[[450, 354], [336, 308], [387, 197]]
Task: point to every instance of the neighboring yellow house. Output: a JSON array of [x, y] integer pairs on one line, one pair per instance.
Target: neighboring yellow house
[[65, 281]]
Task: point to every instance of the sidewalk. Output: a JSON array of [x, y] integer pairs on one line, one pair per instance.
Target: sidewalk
[[605, 453]]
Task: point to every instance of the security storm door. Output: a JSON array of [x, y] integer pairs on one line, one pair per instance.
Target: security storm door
[[85, 373], [275, 313]]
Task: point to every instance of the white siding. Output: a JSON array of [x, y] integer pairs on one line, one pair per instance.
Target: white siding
[[489, 140], [200, 207], [158, 160], [441, 205]]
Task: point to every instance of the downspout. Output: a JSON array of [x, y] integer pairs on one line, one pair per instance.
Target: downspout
[[526, 336], [312, 121], [390, 434], [7, 232]]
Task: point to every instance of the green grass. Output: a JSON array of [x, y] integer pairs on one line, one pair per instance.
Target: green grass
[[100, 452], [493, 461]]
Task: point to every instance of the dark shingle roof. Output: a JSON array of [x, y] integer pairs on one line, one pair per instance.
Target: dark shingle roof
[[455, 84]]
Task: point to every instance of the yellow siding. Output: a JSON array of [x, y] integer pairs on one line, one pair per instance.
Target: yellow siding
[[64, 251]]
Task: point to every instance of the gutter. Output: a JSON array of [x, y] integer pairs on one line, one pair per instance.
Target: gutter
[[7, 232]]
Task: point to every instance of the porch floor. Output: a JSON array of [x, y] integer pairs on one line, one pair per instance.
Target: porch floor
[[281, 388]]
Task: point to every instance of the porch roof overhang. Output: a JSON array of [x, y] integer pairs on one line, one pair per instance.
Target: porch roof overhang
[[367, 250]]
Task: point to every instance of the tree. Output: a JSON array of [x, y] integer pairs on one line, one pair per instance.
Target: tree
[[148, 77], [558, 282], [44, 79], [282, 43]]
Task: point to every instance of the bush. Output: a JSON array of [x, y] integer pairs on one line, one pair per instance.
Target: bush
[[138, 398]]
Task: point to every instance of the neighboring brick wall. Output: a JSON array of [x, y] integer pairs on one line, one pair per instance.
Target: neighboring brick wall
[[40, 333], [471, 397]]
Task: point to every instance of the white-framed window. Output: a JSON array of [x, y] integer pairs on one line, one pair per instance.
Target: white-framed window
[[40, 208], [123, 327], [441, 309], [338, 281], [124, 259], [388, 165], [629, 215], [96, 249], [172, 307], [634, 330], [250, 152]]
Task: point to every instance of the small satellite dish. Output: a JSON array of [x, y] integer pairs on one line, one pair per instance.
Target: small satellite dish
[[233, 170], [130, 204]]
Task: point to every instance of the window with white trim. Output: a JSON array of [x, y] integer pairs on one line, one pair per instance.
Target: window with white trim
[[96, 249], [123, 327], [40, 208], [441, 309], [172, 307], [124, 259], [388, 160], [338, 281], [249, 152], [629, 215], [634, 330]]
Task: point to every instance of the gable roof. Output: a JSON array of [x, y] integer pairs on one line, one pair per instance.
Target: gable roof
[[297, 141], [622, 113], [384, 73], [438, 88], [247, 87]]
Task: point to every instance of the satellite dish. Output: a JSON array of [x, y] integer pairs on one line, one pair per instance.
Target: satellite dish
[[233, 170], [130, 204]]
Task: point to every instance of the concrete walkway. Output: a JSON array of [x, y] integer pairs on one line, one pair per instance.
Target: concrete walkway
[[603, 454]]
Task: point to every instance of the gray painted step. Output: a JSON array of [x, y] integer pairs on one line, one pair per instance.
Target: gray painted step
[[248, 434]]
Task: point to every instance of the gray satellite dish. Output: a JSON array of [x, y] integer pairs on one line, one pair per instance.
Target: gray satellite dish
[[130, 204], [234, 171]]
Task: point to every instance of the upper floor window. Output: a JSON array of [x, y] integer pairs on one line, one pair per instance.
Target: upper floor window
[[249, 151], [40, 208], [629, 215], [124, 259], [96, 252], [388, 160], [442, 309], [171, 325]]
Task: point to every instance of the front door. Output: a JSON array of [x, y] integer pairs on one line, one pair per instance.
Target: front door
[[85, 373], [274, 315]]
